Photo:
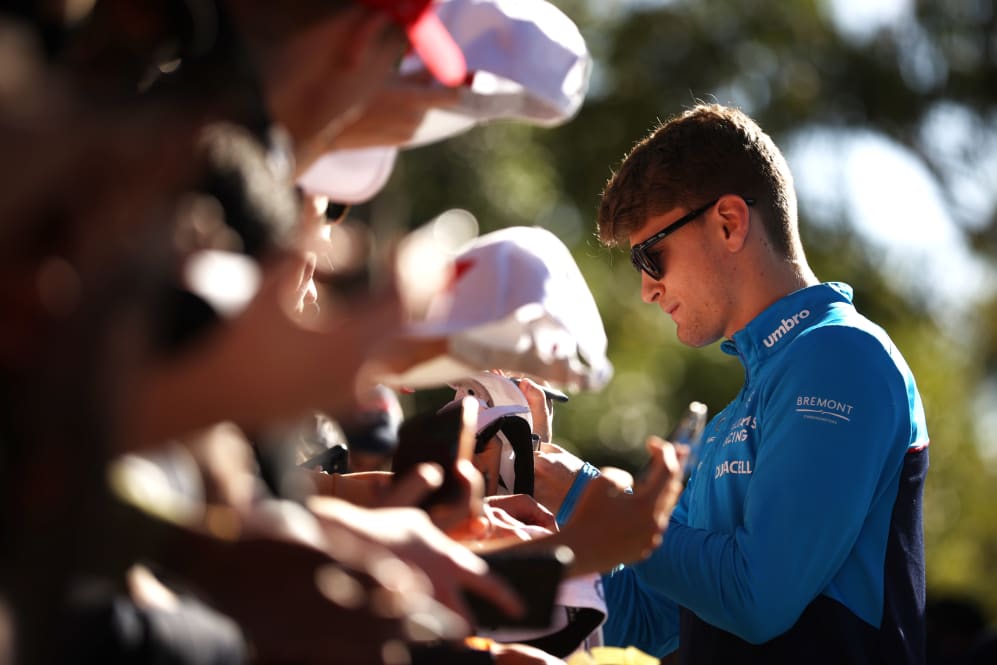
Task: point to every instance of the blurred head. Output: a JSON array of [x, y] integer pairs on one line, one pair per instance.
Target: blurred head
[[372, 430], [320, 61], [317, 60], [694, 158]]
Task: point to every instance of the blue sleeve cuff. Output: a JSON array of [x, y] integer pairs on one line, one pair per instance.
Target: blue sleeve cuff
[[638, 615], [585, 474]]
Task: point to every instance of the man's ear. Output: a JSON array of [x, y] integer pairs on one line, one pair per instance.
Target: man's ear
[[366, 34], [735, 221]]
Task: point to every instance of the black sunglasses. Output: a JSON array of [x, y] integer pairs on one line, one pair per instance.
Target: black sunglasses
[[643, 261]]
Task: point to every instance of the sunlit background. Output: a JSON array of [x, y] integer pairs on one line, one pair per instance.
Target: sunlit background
[[886, 112]]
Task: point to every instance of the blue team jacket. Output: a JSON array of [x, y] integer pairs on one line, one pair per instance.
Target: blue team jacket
[[799, 535]]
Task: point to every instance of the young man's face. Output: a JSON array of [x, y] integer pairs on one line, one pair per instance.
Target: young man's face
[[690, 289]]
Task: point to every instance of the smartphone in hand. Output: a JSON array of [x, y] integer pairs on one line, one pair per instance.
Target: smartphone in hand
[[535, 576], [689, 431], [440, 437]]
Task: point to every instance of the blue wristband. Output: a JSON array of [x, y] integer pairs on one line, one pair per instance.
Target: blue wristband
[[584, 475]]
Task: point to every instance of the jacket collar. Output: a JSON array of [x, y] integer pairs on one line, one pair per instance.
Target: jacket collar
[[784, 319]]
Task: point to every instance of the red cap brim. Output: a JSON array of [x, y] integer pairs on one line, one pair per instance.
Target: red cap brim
[[443, 58]]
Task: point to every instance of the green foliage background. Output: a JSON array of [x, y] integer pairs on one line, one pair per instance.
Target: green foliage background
[[787, 65]]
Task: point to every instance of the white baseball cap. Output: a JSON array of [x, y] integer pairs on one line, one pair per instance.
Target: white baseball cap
[[499, 397], [518, 302], [527, 61], [350, 176]]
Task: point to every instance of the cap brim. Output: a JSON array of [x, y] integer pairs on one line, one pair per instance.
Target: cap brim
[[350, 176], [438, 50], [489, 414]]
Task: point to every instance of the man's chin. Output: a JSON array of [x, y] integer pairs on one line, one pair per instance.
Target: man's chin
[[692, 339]]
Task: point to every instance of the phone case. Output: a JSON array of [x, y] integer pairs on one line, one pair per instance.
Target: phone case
[[535, 576]]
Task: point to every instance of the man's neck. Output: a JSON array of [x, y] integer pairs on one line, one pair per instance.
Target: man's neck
[[770, 283]]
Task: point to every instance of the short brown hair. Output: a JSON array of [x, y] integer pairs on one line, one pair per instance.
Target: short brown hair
[[706, 152]]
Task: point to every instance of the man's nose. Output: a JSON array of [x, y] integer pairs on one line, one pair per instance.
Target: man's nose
[[650, 289]]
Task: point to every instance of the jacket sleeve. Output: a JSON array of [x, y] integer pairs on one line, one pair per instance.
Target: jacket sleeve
[[638, 615], [815, 475]]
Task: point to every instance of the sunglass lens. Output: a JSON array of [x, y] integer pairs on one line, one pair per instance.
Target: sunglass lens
[[643, 262]]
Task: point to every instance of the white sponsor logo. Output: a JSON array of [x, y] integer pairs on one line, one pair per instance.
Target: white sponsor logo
[[784, 327], [739, 430], [823, 408], [741, 467]]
